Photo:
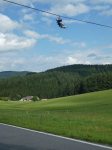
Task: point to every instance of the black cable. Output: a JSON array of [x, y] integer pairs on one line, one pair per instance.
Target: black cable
[[59, 15]]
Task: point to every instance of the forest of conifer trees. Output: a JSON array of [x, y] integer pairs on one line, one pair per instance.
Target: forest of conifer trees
[[54, 84]]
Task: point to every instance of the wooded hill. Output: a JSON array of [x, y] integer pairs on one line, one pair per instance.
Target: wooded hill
[[9, 74], [53, 84], [83, 70]]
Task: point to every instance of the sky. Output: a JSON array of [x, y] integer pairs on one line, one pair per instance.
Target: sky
[[32, 41]]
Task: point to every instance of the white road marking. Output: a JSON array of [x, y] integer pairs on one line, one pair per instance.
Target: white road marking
[[58, 136]]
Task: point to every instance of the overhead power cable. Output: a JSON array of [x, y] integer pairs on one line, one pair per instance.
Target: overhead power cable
[[58, 15]]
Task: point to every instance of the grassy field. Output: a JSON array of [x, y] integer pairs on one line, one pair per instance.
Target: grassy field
[[87, 116]]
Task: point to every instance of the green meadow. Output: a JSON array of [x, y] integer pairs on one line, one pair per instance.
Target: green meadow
[[86, 116]]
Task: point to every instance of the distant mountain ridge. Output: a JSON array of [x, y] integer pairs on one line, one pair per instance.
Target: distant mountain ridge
[[9, 74], [6, 71]]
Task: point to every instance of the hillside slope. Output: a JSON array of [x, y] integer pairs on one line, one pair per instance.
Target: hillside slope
[[54, 84], [86, 116], [82, 101], [82, 69], [9, 74]]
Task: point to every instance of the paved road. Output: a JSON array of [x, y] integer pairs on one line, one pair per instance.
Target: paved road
[[12, 138]]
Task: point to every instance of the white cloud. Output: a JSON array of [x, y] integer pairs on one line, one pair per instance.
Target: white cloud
[[107, 63], [2, 5], [69, 9], [47, 20], [33, 34], [24, 2], [71, 61], [87, 63], [25, 11], [101, 7], [109, 46], [28, 17], [83, 44], [17, 61], [80, 45], [43, 63], [58, 39], [53, 2], [74, 44], [92, 55], [101, 1], [40, 63], [6, 24], [105, 47], [11, 64], [9, 42], [47, 1], [61, 1], [106, 12], [31, 5], [71, 21]]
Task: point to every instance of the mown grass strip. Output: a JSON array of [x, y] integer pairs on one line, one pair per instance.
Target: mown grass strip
[[92, 124]]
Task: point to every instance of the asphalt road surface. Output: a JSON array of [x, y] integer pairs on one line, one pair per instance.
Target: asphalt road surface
[[15, 138]]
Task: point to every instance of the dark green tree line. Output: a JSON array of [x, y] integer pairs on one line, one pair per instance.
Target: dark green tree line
[[54, 84]]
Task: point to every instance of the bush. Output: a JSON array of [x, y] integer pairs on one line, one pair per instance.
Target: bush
[[4, 98], [34, 98], [18, 97]]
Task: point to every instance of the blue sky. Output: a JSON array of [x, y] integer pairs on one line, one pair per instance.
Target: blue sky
[[31, 40]]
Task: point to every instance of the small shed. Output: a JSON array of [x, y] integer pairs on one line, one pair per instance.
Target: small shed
[[43, 99]]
